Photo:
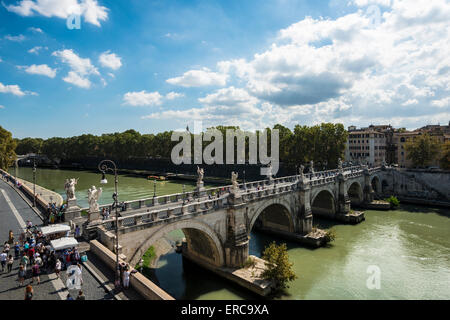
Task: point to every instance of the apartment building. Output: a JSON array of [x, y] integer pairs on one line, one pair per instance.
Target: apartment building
[[367, 145]]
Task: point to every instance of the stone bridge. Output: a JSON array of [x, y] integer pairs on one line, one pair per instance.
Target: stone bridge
[[217, 222]]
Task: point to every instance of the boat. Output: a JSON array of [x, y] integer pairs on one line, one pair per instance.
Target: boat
[[158, 178]]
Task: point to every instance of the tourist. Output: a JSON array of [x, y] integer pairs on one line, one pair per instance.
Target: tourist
[[35, 272], [16, 250], [6, 247], [29, 225], [58, 267], [3, 258], [25, 261], [10, 263], [126, 276], [77, 232], [29, 292], [81, 295], [21, 274], [69, 297], [11, 237]]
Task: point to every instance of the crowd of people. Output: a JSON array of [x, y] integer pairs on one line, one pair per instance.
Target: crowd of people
[[55, 214], [35, 256]]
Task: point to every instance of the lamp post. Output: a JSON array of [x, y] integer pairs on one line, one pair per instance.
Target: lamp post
[[184, 194], [105, 166], [245, 186], [154, 188], [34, 183]]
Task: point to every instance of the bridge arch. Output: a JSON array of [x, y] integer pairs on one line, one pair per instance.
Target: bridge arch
[[355, 193], [275, 214], [201, 240], [323, 203], [376, 184]]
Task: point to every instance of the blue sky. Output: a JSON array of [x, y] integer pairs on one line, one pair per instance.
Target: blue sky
[[160, 65]]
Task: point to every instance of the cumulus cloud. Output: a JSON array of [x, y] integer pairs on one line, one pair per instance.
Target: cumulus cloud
[[18, 38], [36, 30], [142, 98], [41, 69], [35, 50], [11, 88], [81, 68], [199, 78], [174, 95], [347, 69], [92, 12], [110, 60]]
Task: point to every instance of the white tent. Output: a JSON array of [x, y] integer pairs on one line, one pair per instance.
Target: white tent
[[54, 228], [64, 243]]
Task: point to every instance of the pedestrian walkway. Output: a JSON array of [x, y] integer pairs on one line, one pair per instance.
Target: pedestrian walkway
[[45, 194]]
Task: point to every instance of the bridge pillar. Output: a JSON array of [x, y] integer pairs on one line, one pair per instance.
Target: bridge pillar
[[343, 198], [304, 216], [369, 193], [236, 244]]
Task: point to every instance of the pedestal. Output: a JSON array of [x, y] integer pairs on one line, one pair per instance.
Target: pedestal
[[200, 190]]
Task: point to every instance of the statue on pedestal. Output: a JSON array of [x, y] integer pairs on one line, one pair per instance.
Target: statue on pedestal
[[93, 196], [340, 167], [200, 173], [69, 186], [302, 168], [311, 167], [234, 176]]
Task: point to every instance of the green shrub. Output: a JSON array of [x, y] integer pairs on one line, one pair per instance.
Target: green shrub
[[278, 268], [330, 235], [250, 263], [393, 201]]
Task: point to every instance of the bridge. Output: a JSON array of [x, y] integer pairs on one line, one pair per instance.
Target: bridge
[[217, 222]]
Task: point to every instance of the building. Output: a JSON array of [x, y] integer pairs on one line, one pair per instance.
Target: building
[[367, 145]]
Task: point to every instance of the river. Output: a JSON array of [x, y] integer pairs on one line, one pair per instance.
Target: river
[[409, 246]]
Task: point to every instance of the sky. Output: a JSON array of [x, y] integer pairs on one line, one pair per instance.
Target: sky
[[71, 67]]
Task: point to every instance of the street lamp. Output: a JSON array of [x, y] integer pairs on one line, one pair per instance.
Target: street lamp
[[104, 166], [184, 194], [34, 183], [245, 186], [154, 188]]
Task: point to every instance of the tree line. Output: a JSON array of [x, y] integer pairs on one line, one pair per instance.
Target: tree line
[[324, 144]]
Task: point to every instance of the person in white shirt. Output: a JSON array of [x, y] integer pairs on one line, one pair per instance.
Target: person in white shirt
[[3, 258]]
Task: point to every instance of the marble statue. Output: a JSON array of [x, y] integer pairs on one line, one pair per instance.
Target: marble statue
[[69, 186], [340, 167], [311, 167], [200, 173], [302, 168], [93, 196], [234, 176]]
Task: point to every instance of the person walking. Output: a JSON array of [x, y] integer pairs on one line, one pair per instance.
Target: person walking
[[29, 292], [10, 263], [35, 272], [25, 261], [3, 258], [16, 249], [58, 267], [11, 237], [21, 274], [81, 295]]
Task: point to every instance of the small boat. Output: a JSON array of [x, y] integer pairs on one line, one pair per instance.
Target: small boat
[[158, 178]]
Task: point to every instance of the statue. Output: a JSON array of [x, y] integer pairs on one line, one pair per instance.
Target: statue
[[341, 169], [69, 186], [93, 196], [302, 168], [311, 167], [234, 177], [200, 173]]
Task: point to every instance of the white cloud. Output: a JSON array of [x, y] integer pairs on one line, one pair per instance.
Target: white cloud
[[81, 68], [365, 3], [110, 60], [35, 50], [174, 95], [18, 38], [92, 12], [74, 78], [142, 98], [199, 78], [41, 69], [2, 107], [36, 30], [12, 88]]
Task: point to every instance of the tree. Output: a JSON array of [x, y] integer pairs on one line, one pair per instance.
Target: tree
[[445, 158], [7, 147], [278, 268], [422, 149]]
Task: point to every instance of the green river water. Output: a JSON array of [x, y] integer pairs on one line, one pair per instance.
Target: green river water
[[410, 246]]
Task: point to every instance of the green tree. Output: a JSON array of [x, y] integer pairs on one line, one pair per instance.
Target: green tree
[[278, 268], [445, 156], [29, 145], [422, 149], [7, 147]]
